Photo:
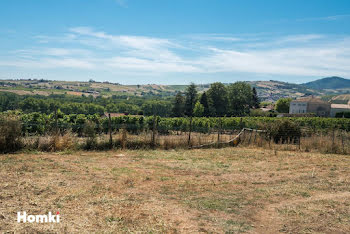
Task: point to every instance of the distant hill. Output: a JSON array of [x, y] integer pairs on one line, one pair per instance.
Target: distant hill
[[273, 90], [270, 91], [329, 83]]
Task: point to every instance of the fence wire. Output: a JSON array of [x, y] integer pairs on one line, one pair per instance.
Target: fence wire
[[152, 134]]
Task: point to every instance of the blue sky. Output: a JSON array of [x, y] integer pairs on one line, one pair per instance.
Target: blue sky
[[174, 41]]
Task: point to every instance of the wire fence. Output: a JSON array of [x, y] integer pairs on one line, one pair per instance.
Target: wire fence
[[56, 132], [152, 135]]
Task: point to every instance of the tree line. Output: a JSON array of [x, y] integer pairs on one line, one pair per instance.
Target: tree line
[[219, 100], [87, 105]]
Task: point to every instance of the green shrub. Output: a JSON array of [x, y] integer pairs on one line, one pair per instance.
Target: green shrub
[[343, 114], [10, 134], [284, 131], [90, 133]]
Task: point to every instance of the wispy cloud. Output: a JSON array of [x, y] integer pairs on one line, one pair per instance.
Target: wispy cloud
[[84, 48], [122, 3], [326, 18], [301, 38], [125, 41], [49, 63], [215, 37]]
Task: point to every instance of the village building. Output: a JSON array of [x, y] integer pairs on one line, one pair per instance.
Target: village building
[[307, 105], [339, 108]]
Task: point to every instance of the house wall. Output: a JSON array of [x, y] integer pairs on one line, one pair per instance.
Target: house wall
[[319, 109], [298, 108], [334, 111]]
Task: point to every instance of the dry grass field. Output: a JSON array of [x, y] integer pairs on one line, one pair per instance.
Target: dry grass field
[[230, 190]]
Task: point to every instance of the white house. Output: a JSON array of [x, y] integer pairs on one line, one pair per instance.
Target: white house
[[310, 105]]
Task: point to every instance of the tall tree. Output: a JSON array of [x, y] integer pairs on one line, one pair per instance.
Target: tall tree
[[191, 99], [179, 105], [204, 101], [255, 99], [218, 97], [239, 98]]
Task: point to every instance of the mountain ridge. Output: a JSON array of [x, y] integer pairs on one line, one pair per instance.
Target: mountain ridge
[[333, 82]]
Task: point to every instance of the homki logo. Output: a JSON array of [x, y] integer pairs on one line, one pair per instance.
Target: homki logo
[[49, 218]]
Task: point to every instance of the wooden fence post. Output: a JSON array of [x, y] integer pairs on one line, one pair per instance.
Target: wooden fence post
[[243, 136], [56, 129], [110, 131], [333, 140], [256, 132], [189, 134], [250, 137], [219, 131], [154, 131], [342, 141], [124, 136], [56, 122]]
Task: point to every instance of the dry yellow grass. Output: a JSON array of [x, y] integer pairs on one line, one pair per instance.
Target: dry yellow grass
[[228, 190]]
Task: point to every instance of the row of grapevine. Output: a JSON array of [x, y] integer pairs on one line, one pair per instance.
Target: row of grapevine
[[38, 123]]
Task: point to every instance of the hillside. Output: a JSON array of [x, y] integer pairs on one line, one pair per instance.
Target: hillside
[[267, 90], [77, 88], [274, 90], [329, 83]]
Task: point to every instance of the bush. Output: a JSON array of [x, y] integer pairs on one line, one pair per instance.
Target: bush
[[55, 143], [284, 131], [343, 114], [89, 132], [10, 134]]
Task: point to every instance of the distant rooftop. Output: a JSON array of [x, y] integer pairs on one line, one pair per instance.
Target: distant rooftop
[[114, 114], [310, 99], [340, 106]]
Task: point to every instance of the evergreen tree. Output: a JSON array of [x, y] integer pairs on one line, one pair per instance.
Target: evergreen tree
[[255, 99], [204, 101], [179, 105], [191, 99]]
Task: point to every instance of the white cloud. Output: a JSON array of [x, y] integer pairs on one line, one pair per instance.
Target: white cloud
[[142, 65], [301, 38], [326, 18], [49, 63], [298, 61], [136, 42], [84, 48], [215, 37]]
